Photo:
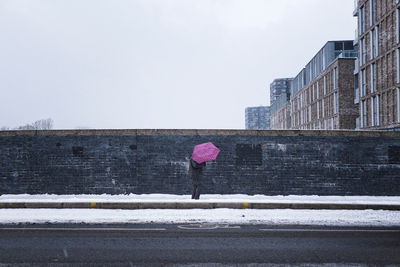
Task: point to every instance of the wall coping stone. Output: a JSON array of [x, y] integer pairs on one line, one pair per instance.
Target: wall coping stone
[[177, 132]]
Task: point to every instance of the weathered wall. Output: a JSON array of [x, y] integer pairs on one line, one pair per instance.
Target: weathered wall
[[156, 161]]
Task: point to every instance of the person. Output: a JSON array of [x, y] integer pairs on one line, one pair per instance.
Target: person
[[197, 170]]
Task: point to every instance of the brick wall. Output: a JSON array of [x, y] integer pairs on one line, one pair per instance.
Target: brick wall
[[348, 111], [156, 161]]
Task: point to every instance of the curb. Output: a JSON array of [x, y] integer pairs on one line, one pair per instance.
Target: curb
[[194, 205]]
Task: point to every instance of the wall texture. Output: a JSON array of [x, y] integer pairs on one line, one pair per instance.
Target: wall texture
[[156, 161]]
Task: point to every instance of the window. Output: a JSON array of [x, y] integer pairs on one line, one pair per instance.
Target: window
[[398, 25], [324, 85], [378, 110], [363, 114], [377, 43], [398, 64], [335, 78], [362, 19], [348, 45], [362, 51], [335, 103], [315, 92], [356, 89], [317, 110], [398, 104], [373, 78], [318, 90], [300, 101], [356, 81], [363, 91], [338, 45], [372, 12], [323, 108], [373, 113], [373, 43]]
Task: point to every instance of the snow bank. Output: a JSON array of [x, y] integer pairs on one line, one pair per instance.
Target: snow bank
[[228, 216]]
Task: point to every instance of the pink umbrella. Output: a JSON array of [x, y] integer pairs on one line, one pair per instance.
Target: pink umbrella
[[205, 152]]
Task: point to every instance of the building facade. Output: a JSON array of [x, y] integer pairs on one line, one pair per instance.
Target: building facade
[[258, 118], [322, 95], [327, 102], [378, 66]]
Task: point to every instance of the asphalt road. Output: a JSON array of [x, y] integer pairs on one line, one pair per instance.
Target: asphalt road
[[191, 244]]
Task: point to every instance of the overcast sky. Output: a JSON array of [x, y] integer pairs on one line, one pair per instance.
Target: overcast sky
[[155, 63]]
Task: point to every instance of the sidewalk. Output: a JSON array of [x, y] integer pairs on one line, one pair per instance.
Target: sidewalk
[[165, 201]]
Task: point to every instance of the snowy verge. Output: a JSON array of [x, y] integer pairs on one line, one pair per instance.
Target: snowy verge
[[228, 216]]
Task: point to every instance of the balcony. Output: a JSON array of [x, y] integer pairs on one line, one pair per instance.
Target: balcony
[[355, 11], [346, 54]]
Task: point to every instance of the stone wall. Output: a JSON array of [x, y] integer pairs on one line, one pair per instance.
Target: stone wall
[[156, 161]]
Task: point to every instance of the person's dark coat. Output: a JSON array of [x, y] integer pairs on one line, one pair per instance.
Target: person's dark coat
[[197, 170]]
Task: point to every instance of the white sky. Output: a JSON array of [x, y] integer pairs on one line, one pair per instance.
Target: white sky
[[155, 63]]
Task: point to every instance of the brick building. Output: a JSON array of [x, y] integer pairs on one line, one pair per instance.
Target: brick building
[[258, 118], [322, 94], [378, 39]]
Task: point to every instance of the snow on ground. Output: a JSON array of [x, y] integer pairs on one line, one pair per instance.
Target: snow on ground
[[228, 216]]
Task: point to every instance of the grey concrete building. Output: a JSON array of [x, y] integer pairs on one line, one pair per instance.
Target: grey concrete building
[[258, 118], [378, 67], [279, 86]]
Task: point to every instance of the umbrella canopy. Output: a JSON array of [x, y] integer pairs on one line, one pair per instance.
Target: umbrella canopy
[[205, 152]]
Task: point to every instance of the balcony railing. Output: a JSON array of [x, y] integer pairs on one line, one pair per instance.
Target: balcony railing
[[347, 54]]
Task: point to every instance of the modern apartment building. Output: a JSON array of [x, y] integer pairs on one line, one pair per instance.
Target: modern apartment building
[[258, 118], [378, 75], [280, 112], [278, 87], [322, 94]]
